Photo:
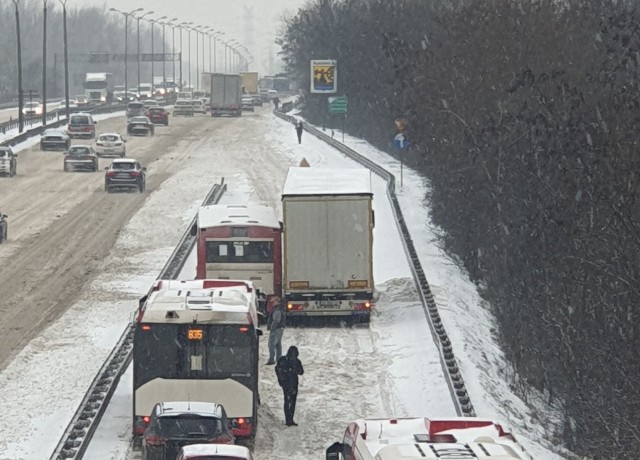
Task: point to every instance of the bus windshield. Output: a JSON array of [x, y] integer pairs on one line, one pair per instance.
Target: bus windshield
[[193, 351], [248, 252]]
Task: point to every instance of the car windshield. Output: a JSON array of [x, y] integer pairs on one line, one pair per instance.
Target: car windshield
[[4, 154], [156, 110], [139, 120], [79, 150], [108, 138], [196, 102], [135, 105], [79, 120], [52, 133], [145, 87], [123, 166], [32, 104], [189, 425], [183, 103]]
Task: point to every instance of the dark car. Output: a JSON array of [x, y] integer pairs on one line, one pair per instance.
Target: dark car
[[80, 158], [81, 125], [247, 104], [4, 226], [177, 424], [135, 109], [55, 139], [257, 100], [125, 174], [8, 161], [140, 126], [158, 116]]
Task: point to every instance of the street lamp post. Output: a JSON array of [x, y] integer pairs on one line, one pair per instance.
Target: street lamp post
[[138, 25], [66, 56], [44, 64], [153, 55], [185, 25], [126, 47], [20, 95]]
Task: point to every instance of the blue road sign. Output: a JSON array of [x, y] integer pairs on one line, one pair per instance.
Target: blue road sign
[[401, 142]]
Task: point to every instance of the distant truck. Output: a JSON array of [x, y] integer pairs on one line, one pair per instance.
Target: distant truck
[[98, 87], [328, 243], [249, 82], [226, 95], [205, 82]]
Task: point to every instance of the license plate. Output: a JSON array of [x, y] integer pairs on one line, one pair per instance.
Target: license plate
[[328, 305], [122, 175]]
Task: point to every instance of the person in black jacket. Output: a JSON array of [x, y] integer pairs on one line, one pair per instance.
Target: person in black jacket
[[288, 369]]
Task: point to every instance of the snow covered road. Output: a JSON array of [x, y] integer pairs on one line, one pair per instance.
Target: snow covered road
[[390, 368]]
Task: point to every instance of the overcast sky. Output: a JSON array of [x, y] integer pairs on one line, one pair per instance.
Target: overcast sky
[[253, 23]]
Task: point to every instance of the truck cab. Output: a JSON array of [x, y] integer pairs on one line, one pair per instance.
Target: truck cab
[[98, 87]]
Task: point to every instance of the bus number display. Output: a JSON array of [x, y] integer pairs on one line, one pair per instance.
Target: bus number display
[[195, 334]]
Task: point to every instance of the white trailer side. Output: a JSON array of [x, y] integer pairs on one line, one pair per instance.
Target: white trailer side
[[328, 242]]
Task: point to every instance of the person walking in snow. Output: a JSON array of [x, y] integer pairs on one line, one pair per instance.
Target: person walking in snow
[[275, 325], [299, 129], [288, 369]]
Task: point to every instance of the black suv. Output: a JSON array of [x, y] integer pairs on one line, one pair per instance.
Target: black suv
[[126, 173]]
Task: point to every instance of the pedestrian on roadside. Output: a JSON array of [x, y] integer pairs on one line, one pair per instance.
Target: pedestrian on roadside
[[275, 325], [288, 369], [276, 102], [299, 129]]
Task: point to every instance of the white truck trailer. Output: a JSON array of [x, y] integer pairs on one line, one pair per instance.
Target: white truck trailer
[[328, 242], [226, 95]]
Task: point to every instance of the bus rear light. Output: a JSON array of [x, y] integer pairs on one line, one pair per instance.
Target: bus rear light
[[362, 306], [145, 420], [146, 327], [295, 307], [244, 329]]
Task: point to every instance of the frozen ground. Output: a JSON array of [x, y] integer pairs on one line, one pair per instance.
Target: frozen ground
[[389, 369]]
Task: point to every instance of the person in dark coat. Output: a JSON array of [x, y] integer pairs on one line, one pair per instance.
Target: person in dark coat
[[299, 129], [288, 369]]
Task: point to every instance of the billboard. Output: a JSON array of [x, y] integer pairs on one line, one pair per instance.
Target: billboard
[[324, 76]]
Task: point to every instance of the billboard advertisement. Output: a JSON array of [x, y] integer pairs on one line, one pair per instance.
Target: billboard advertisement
[[324, 76]]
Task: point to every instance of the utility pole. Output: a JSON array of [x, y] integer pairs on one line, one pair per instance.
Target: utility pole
[[66, 57], [20, 95], [44, 65]]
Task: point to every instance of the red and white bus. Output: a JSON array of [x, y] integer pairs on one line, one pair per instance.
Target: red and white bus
[[197, 340], [242, 242]]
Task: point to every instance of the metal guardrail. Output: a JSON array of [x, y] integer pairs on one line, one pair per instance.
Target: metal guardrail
[[455, 382], [80, 430]]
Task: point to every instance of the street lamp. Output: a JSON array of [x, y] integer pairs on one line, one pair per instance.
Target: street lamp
[[66, 57], [185, 25], [164, 72], [138, 24], [44, 64], [20, 95], [153, 56], [126, 46], [197, 30]]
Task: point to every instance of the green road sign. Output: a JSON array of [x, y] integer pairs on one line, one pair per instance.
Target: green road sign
[[338, 104]]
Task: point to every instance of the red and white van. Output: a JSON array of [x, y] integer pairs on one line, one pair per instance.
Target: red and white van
[[81, 125]]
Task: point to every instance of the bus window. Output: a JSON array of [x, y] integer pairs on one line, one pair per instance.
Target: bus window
[[250, 252]]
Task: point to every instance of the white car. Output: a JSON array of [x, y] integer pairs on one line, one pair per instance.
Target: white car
[[32, 108], [62, 105], [198, 106], [111, 145]]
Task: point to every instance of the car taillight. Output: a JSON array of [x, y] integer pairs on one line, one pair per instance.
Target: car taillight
[[154, 440], [111, 173], [135, 173], [295, 307]]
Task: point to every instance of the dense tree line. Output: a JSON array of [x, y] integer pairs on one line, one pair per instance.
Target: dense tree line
[[90, 30], [525, 117]]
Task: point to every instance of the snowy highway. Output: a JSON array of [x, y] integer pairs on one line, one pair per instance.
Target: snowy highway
[[391, 368]]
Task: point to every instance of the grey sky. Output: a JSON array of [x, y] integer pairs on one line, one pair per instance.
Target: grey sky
[[229, 16]]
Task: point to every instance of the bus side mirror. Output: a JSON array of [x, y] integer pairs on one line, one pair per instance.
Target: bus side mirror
[[259, 332], [194, 230], [333, 451]]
